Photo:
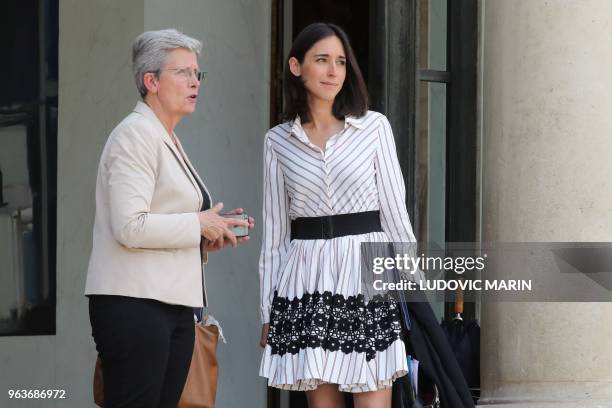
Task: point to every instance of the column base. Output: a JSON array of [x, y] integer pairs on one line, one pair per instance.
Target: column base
[[581, 404], [549, 394]]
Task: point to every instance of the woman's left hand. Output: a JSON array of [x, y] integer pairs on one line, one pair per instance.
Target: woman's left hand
[[219, 244]]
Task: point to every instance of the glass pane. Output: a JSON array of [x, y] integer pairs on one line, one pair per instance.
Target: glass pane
[[432, 161], [28, 179], [437, 163], [433, 34], [16, 237], [432, 170]]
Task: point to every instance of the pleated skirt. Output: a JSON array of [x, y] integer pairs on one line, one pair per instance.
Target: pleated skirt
[[322, 327]]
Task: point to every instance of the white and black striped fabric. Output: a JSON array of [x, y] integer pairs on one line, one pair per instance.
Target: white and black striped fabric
[[358, 171]]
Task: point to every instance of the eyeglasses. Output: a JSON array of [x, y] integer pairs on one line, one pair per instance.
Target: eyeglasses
[[187, 73]]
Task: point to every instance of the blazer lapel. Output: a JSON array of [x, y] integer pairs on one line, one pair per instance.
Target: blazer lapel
[[143, 109], [193, 171]]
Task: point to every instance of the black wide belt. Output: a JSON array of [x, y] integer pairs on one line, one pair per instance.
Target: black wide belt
[[334, 226]]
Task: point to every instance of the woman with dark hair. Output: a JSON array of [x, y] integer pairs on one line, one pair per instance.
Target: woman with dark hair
[[332, 180]]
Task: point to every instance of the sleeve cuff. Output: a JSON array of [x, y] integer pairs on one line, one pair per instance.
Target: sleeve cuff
[[196, 231], [265, 314]]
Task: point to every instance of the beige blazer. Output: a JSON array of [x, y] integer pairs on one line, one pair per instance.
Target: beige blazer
[[146, 236]]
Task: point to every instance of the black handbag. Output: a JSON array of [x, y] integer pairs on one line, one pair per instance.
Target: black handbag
[[403, 394]]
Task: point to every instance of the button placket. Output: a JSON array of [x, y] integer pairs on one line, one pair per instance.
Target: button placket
[[327, 185]]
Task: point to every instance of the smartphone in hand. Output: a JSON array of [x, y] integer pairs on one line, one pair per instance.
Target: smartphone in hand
[[239, 231]]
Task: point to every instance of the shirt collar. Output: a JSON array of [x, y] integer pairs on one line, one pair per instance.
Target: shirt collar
[[298, 131], [354, 121], [296, 127]]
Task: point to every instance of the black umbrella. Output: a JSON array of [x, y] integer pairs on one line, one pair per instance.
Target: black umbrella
[[440, 380], [464, 339]]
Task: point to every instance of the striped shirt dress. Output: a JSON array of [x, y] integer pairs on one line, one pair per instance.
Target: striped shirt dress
[[322, 329]]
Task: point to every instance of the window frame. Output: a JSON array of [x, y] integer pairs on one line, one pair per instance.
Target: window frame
[[395, 79], [39, 116]]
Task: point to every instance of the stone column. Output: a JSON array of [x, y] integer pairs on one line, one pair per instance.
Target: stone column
[[546, 176]]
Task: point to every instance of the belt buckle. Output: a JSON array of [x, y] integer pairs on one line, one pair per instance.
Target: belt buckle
[[327, 227]]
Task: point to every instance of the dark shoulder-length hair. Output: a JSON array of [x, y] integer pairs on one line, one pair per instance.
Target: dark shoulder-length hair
[[352, 98]]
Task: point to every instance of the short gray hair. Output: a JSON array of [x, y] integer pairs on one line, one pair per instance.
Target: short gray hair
[[150, 49]]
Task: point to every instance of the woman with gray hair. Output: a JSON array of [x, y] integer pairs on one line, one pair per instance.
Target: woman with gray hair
[[153, 228]]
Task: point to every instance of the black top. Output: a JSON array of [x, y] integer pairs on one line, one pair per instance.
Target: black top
[[206, 200], [205, 196], [205, 206]]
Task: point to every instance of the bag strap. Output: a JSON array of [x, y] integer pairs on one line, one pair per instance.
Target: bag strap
[[404, 310]]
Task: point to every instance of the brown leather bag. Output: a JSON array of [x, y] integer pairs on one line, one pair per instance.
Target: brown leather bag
[[201, 385]]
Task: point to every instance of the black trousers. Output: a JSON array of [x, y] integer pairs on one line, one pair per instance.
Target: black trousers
[[145, 347]]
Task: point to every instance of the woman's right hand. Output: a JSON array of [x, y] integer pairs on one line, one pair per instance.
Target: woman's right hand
[[214, 227], [264, 335]]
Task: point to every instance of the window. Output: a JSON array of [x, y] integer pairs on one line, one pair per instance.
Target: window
[[431, 134], [28, 167], [423, 77]]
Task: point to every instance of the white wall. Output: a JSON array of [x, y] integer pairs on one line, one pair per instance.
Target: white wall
[[223, 139]]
